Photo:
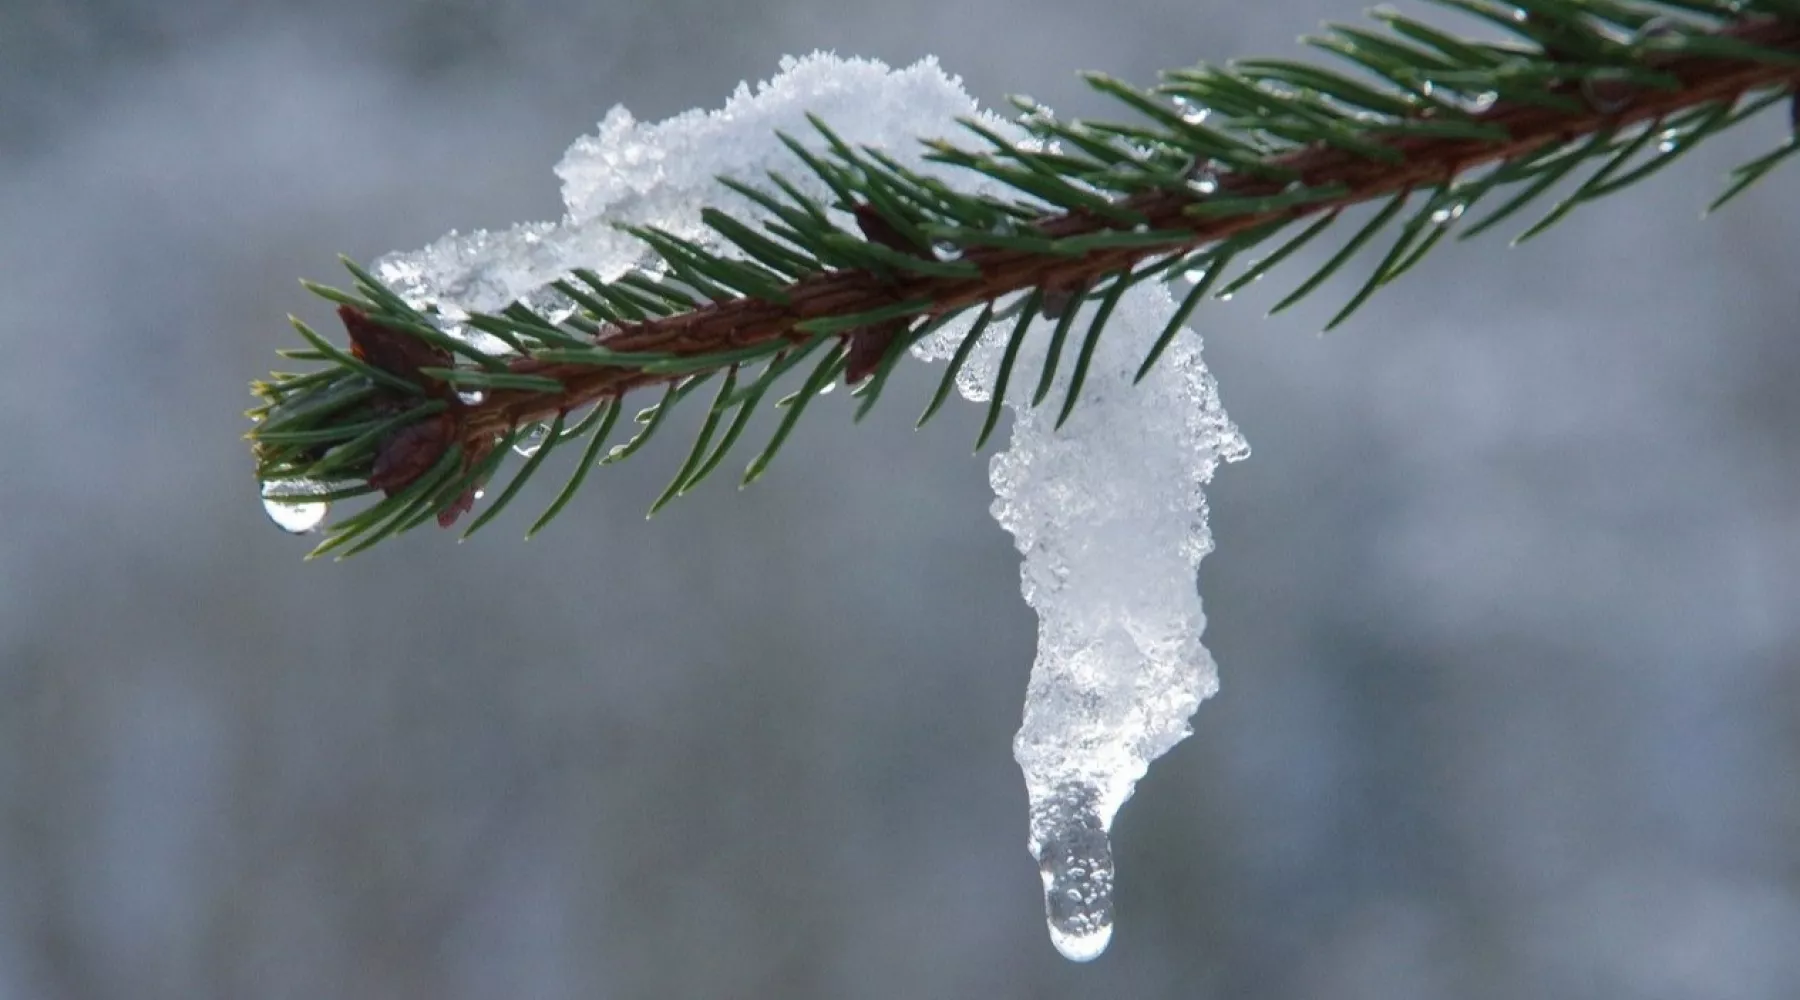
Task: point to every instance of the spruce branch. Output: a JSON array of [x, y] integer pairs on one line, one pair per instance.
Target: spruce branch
[[1221, 162]]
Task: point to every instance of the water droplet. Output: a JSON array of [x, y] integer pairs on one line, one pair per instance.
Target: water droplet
[[1658, 27], [1226, 297], [1448, 213], [826, 389], [472, 397], [1203, 183], [528, 445], [1068, 838], [1191, 112], [282, 501], [1477, 103], [1195, 274]]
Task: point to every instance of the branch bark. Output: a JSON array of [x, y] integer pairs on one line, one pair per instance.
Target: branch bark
[[1425, 161]]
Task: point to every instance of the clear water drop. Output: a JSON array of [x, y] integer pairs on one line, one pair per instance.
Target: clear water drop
[[1068, 838], [1449, 213], [1477, 103], [283, 501], [1191, 112], [472, 397], [528, 445]]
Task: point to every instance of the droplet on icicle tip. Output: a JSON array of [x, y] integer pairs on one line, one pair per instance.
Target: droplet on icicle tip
[[284, 500], [1069, 840]]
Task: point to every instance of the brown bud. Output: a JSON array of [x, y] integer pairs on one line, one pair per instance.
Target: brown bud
[[868, 345], [410, 452], [393, 351], [466, 502], [1058, 299], [877, 229]]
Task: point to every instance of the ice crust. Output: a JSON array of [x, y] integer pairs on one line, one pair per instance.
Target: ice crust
[[1108, 511], [663, 173]]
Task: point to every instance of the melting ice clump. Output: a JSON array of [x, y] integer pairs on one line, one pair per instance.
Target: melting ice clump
[[1108, 511], [1109, 515]]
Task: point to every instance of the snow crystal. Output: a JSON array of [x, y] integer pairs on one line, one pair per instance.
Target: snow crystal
[[1108, 511], [662, 173]]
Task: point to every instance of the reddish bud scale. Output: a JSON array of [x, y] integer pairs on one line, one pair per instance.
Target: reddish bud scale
[[397, 353], [466, 501], [410, 452], [869, 344]]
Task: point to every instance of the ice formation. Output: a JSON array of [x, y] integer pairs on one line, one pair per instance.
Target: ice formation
[[1110, 518], [1108, 511]]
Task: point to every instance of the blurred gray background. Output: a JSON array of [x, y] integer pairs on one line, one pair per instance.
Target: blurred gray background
[[1503, 601]]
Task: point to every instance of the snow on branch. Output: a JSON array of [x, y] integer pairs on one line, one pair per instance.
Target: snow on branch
[[824, 226], [1108, 511]]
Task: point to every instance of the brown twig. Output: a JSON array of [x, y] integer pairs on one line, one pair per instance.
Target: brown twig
[[1424, 161]]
